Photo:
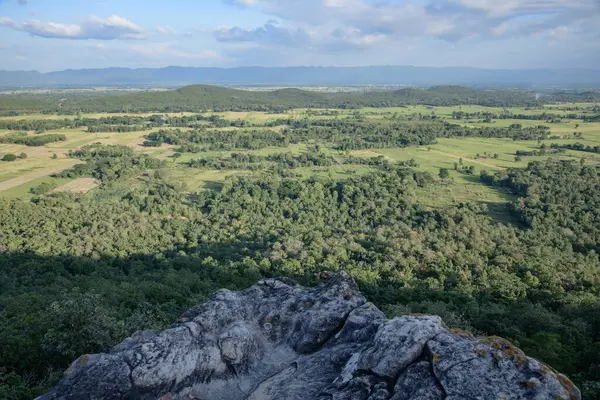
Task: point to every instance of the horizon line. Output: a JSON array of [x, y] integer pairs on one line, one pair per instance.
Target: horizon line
[[311, 66]]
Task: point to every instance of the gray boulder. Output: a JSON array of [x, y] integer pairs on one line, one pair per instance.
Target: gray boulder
[[278, 340]]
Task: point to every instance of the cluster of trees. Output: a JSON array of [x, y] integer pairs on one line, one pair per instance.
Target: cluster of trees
[[576, 146], [505, 114], [561, 197], [39, 125], [120, 123], [33, 141], [130, 124], [116, 128], [378, 161], [249, 161], [486, 156], [543, 151], [311, 158], [592, 118], [199, 140], [91, 270], [43, 188], [514, 131], [235, 161], [109, 163], [464, 169]]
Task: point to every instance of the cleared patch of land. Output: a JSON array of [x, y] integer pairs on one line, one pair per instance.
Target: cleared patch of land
[[39, 172], [79, 185]]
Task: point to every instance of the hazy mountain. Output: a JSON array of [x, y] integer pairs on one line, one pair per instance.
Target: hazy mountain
[[405, 75], [22, 78]]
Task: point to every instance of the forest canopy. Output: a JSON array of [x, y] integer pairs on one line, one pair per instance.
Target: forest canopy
[[139, 257], [203, 97]]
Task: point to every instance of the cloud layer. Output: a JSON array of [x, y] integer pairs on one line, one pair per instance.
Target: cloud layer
[[482, 33], [111, 28], [368, 22]]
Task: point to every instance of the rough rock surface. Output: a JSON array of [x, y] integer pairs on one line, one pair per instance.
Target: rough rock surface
[[278, 340]]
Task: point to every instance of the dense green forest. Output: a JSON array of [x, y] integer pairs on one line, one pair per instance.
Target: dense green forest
[[134, 258], [201, 97]]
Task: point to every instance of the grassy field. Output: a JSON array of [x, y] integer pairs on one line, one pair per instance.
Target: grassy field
[[17, 178], [195, 180], [79, 185], [22, 190]]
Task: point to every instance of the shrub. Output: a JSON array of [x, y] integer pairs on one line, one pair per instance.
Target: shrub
[[9, 157]]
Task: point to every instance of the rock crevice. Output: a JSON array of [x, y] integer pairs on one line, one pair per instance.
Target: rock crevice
[[278, 340]]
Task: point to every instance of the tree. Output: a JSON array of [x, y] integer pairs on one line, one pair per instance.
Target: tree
[[518, 158], [456, 166], [9, 157], [444, 174], [23, 156], [495, 155], [80, 325], [460, 161], [54, 156]]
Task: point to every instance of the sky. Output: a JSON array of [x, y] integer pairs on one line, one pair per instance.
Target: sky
[[50, 35]]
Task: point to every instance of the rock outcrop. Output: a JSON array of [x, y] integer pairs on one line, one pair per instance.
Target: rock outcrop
[[278, 340]]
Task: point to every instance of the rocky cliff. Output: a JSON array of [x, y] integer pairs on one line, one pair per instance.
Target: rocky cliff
[[278, 340]]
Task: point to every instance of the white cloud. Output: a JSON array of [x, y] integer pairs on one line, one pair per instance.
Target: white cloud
[[437, 19], [113, 27], [509, 7], [166, 30], [242, 3], [336, 31], [268, 33]]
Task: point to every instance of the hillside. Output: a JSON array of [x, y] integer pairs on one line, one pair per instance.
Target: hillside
[[197, 98]]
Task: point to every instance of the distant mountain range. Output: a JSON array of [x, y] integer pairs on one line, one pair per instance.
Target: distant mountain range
[[303, 76]]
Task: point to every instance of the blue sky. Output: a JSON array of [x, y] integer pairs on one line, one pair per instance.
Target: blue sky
[[48, 35]]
